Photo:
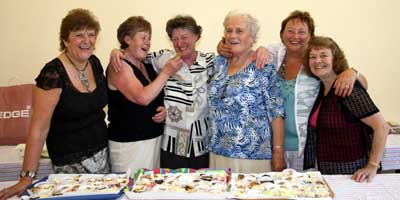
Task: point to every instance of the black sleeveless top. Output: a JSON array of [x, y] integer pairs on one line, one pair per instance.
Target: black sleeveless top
[[131, 122], [77, 130]]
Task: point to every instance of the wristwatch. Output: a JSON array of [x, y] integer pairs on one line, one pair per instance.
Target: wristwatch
[[24, 173]]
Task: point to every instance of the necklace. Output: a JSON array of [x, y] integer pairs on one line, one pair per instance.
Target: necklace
[[283, 68], [82, 73]]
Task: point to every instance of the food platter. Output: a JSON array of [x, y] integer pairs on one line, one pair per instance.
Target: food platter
[[181, 184], [78, 186], [287, 184], [221, 184]]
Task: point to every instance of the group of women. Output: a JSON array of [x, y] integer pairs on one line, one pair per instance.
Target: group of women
[[304, 107]]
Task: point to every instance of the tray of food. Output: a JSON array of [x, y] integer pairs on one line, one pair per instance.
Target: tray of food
[[180, 184], [287, 184], [78, 186]]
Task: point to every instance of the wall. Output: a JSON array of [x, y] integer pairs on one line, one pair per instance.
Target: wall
[[367, 30]]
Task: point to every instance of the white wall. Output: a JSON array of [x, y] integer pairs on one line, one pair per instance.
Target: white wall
[[367, 30]]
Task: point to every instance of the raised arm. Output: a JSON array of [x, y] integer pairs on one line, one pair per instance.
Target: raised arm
[[116, 57], [126, 82], [345, 82], [44, 103], [261, 55]]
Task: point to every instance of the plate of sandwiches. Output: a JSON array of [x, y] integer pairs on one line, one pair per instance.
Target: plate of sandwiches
[[180, 184], [287, 184], [78, 186]]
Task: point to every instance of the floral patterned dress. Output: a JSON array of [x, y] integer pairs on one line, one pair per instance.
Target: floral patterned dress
[[241, 109]]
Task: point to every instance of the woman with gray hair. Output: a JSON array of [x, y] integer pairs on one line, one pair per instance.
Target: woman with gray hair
[[245, 105]]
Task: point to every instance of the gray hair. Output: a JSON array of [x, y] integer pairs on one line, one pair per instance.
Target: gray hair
[[251, 22]]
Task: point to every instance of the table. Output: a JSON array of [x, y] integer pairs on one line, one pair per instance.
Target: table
[[384, 186], [391, 155]]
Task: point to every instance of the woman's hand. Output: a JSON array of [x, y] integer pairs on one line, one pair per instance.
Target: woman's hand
[[223, 49], [261, 56], [172, 66], [16, 189], [115, 59], [278, 160], [366, 173], [160, 115], [345, 82]]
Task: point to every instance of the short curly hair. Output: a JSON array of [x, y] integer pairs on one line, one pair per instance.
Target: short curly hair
[[77, 19], [130, 27], [185, 22], [339, 59], [304, 17], [251, 22]]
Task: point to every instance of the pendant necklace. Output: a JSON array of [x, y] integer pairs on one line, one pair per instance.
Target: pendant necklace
[[82, 73]]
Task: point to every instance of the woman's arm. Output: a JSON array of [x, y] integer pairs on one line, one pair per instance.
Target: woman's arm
[[261, 55], [278, 141], [345, 82], [126, 82], [44, 103], [381, 129]]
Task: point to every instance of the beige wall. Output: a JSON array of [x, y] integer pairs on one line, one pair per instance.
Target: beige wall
[[367, 30]]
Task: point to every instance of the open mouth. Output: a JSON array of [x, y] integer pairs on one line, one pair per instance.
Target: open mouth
[[319, 67], [296, 42], [234, 42], [144, 49], [85, 48]]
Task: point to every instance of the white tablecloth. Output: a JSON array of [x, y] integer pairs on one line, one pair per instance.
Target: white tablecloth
[[391, 156], [383, 187]]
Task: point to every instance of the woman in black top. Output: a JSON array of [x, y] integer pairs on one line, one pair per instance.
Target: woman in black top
[[68, 114], [135, 109]]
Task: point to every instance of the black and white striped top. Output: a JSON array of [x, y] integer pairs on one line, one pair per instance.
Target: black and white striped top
[[186, 104]]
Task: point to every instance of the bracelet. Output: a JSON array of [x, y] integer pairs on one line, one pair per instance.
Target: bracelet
[[373, 163], [278, 147]]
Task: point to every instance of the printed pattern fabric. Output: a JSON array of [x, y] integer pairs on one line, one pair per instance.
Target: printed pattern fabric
[[186, 104], [241, 108], [98, 164]]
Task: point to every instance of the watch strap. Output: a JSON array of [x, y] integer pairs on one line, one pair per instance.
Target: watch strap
[[31, 174]]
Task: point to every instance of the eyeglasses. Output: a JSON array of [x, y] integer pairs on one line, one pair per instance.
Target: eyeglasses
[[224, 89]]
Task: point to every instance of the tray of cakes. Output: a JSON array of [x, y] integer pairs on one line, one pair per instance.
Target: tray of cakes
[[78, 186], [180, 184], [287, 184]]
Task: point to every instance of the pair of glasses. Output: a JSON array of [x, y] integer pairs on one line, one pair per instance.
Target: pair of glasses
[[224, 90]]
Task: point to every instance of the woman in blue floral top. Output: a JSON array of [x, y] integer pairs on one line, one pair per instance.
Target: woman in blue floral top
[[245, 105]]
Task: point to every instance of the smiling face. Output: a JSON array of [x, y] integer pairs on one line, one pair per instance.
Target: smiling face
[[184, 42], [80, 44], [321, 62], [237, 35], [138, 45], [296, 36]]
